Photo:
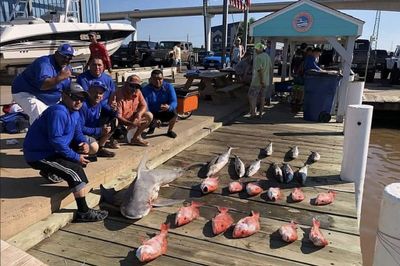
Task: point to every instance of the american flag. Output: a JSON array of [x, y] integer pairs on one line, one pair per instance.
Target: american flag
[[240, 4]]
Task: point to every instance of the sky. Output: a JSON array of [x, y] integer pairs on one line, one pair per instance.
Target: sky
[[191, 27]]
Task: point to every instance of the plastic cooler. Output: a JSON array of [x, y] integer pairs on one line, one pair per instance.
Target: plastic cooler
[[319, 92], [188, 101]]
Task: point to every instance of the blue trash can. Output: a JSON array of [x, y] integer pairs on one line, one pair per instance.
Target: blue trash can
[[319, 92]]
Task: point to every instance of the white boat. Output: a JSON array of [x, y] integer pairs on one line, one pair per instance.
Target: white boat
[[23, 39]]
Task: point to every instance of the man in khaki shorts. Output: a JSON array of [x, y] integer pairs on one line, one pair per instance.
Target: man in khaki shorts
[[260, 83]]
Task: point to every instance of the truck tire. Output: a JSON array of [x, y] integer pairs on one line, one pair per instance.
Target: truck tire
[[384, 73], [370, 77], [191, 63], [394, 75]]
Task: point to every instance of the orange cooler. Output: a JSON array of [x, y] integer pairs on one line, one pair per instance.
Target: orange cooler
[[188, 101]]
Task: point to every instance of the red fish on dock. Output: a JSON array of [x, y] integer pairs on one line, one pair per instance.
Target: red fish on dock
[[247, 226], [222, 221], [187, 214], [325, 198], [297, 195], [253, 189], [235, 186], [316, 235], [209, 185], [154, 247], [289, 232]]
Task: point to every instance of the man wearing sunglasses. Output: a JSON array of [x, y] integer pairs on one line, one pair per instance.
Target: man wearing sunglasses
[[132, 110], [47, 147], [98, 122], [40, 85]]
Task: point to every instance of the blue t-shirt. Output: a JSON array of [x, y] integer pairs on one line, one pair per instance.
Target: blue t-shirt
[[52, 133], [32, 78], [155, 97], [90, 118], [86, 78], [310, 63]]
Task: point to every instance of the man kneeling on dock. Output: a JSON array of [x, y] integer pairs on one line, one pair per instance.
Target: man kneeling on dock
[[47, 147], [132, 110]]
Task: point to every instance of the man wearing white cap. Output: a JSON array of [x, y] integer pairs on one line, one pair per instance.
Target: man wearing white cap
[[260, 82], [41, 83]]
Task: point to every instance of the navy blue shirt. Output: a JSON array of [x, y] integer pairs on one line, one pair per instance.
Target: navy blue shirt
[[52, 133], [32, 78], [86, 78], [155, 97], [310, 63], [90, 118]]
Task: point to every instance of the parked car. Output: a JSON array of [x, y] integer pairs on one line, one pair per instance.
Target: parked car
[[142, 52], [162, 55], [380, 59], [214, 60], [359, 64], [393, 66], [122, 57]]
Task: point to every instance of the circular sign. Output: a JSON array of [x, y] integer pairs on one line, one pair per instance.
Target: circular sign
[[302, 22]]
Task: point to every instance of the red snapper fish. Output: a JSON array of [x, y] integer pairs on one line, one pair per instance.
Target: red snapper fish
[[154, 247], [297, 195], [289, 232], [187, 214], [209, 185], [235, 186], [325, 198], [247, 225], [316, 235], [222, 221], [274, 193], [253, 188]]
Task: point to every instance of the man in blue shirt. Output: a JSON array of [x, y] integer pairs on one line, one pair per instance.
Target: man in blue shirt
[[98, 122], [41, 83], [47, 147], [161, 101], [96, 73], [311, 61]]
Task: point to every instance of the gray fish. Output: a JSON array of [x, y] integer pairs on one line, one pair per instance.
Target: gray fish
[[287, 173], [302, 174], [314, 157], [253, 168], [268, 150], [239, 167], [219, 162], [142, 194], [294, 152], [277, 172]]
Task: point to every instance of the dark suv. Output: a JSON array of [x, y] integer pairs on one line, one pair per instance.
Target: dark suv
[[359, 63], [142, 52], [122, 57]]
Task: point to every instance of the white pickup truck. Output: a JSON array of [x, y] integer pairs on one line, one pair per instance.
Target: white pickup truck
[[393, 66]]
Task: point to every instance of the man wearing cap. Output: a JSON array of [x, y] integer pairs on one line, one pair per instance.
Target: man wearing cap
[[47, 147], [97, 122], [132, 110], [41, 83], [98, 50], [237, 52], [260, 81], [162, 102]]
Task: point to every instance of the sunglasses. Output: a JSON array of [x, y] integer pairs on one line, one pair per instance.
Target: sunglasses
[[135, 86], [76, 98], [66, 57]]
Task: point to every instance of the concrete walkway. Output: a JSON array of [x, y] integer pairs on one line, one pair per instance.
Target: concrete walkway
[[27, 198]]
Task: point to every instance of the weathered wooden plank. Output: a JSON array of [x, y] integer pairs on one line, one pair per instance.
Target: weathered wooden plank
[[13, 256], [180, 246], [285, 213], [67, 246], [267, 241]]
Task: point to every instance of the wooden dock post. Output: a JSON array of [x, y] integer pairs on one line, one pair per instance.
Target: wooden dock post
[[355, 148], [387, 248]]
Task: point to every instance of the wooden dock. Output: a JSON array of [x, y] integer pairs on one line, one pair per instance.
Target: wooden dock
[[114, 241]]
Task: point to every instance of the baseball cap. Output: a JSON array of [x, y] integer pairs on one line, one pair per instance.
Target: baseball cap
[[75, 88], [66, 50], [134, 81], [259, 46], [98, 84]]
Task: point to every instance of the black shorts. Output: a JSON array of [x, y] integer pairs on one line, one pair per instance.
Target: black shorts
[[70, 171], [164, 116]]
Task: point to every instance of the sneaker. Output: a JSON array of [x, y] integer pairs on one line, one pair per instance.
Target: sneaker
[[105, 153], [112, 144], [91, 215], [150, 131], [171, 134], [52, 178]]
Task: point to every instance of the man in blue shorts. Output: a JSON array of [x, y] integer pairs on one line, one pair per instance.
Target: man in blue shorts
[[47, 147], [40, 85]]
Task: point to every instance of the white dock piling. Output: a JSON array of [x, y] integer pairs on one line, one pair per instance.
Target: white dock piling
[[387, 247], [355, 148], [355, 92]]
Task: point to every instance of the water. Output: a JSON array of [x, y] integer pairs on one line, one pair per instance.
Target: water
[[383, 168]]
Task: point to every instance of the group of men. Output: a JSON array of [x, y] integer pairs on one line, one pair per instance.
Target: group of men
[[71, 122]]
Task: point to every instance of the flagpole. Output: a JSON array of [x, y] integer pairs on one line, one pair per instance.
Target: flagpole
[[205, 24], [224, 31], [245, 25]]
